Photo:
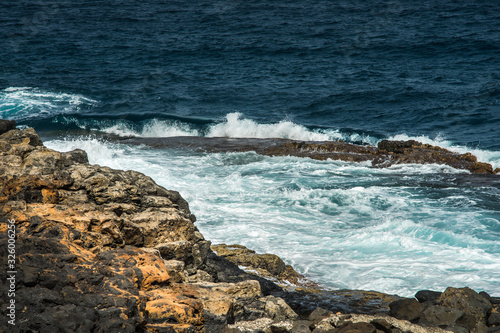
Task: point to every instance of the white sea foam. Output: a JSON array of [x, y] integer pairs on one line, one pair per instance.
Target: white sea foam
[[98, 151], [26, 102], [235, 125], [152, 128]]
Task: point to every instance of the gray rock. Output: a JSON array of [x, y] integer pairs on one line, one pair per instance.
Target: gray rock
[[439, 316], [407, 309], [319, 314], [427, 296], [357, 328], [324, 327], [494, 319], [457, 328], [277, 309], [382, 325], [301, 326], [466, 300], [7, 125]]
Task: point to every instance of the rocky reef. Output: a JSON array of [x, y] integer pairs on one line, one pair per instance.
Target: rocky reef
[[386, 154], [103, 250]]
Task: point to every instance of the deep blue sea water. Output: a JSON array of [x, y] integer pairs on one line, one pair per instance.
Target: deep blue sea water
[[85, 73]]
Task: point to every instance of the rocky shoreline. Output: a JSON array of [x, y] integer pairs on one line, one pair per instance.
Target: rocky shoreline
[[103, 250]]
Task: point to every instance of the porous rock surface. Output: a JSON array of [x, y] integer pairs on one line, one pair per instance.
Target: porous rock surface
[[103, 250]]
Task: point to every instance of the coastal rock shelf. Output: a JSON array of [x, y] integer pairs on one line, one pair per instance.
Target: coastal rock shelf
[[103, 250], [387, 153]]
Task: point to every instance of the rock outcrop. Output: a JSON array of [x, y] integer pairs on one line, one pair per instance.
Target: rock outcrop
[[103, 250], [387, 153], [266, 265], [456, 309]]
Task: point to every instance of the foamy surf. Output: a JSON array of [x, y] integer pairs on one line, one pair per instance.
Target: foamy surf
[[233, 125], [22, 103], [151, 129], [345, 225], [236, 126]]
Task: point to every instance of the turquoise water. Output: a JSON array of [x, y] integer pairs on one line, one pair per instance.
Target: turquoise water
[[86, 74], [396, 230]]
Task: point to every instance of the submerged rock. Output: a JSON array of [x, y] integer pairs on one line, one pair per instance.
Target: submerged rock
[[387, 153]]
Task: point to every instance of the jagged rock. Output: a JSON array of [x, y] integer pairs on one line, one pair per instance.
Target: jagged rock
[[319, 314], [457, 328], [277, 309], [494, 317], [175, 268], [266, 265], [398, 147], [357, 328], [88, 239], [324, 327], [381, 323], [261, 325], [468, 301], [227, 303], [427, 296], [411, 151], [282, 327], [406, 309], [246, 257], [301, 326]]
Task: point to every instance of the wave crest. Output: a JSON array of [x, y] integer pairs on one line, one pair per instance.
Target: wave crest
[[152, 129], [236, 126]]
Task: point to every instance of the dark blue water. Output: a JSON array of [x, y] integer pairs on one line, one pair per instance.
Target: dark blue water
[[375, 67], [358, 71]]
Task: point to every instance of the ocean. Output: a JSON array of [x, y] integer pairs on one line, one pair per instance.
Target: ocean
[[88, 74]]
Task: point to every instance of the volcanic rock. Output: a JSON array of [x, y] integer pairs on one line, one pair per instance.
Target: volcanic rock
[[100, 249], [474, 306], [427, 296], [266, 265], [7, 125], [407, 309]]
